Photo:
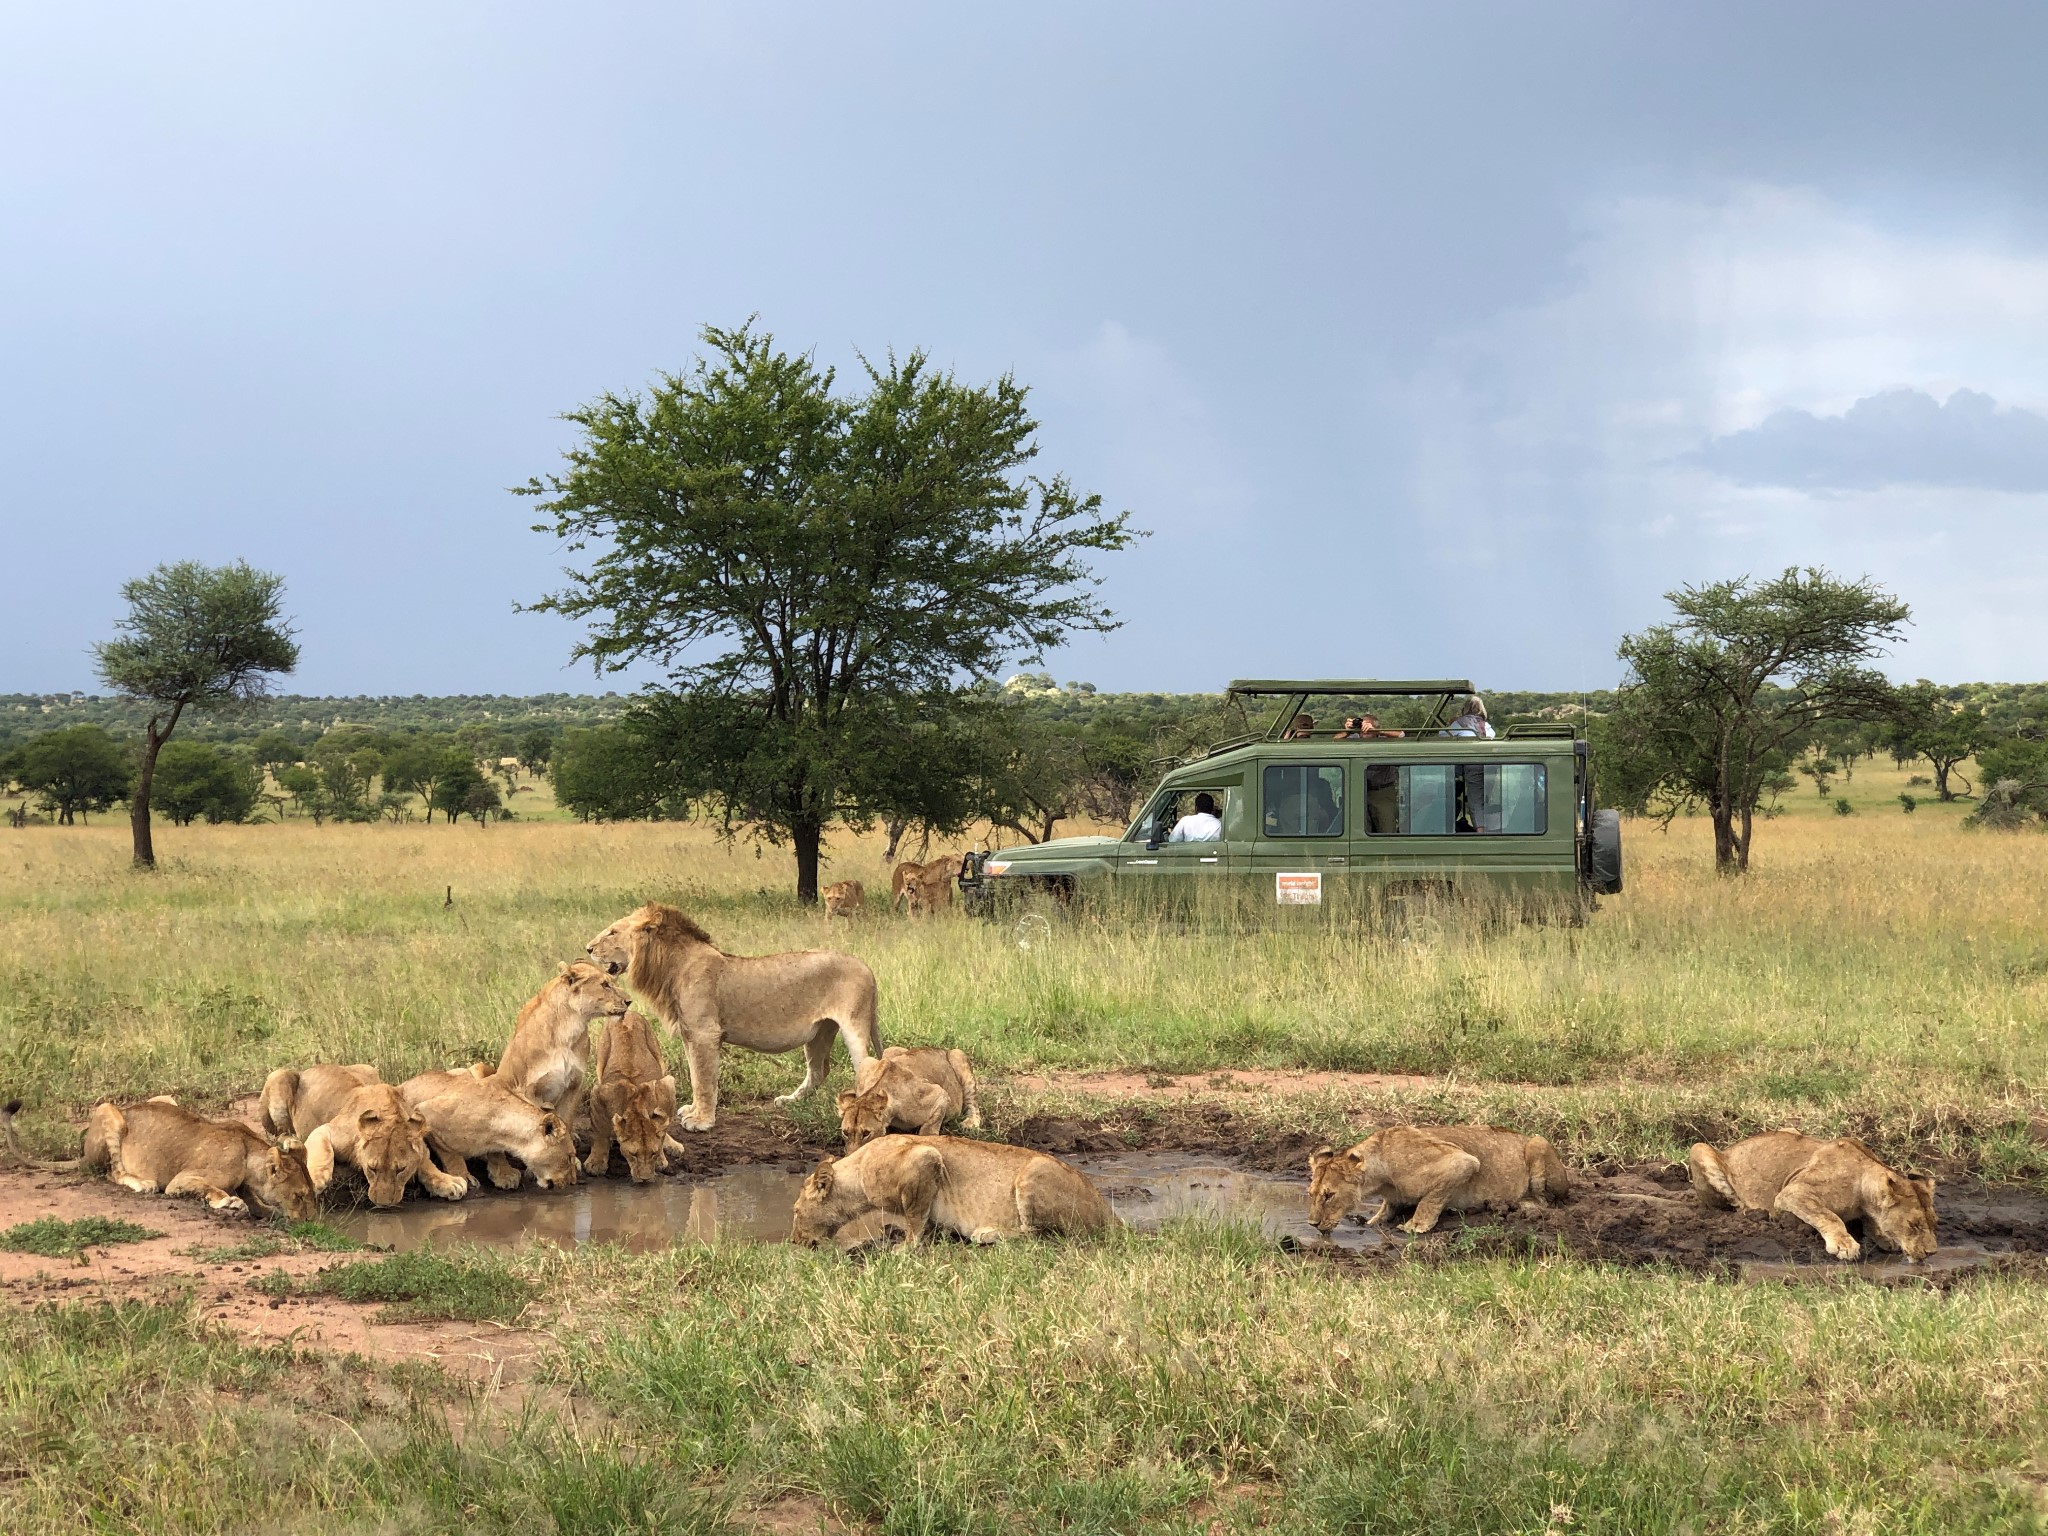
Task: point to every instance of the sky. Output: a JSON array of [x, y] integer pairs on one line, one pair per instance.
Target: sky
[[1425, 340]]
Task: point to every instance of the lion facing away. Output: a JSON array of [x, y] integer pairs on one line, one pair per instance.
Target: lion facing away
[[1825, 1184], [633, 1103], [908, 1090], [770, 1003], [470, 1113], [350, 1114], [982, 1191], [1452, 1167], [548, 1056], [157, 1147]]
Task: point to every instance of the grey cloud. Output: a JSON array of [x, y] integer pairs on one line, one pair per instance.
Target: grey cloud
[[1901, 437]]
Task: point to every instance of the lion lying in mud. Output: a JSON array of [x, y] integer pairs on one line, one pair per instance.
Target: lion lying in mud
[[1825, 1184], [982, 1191], [769, 1003], [157, 1147], [633, 1103], [908, 1090], [548, 1056], [1438, 1169], [351, 1115], [470, 1113]]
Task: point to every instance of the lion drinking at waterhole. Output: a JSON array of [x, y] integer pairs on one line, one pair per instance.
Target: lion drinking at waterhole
[[351, 1115], [770, 1003], [908, 1090], [980, 1190], [1825, 1184], [159, 1148], [1452, 1167]]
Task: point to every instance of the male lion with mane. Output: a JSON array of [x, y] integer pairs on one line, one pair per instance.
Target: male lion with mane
[[1823, 1183], [1438, 1169], [770, 1003], [983, 1191]]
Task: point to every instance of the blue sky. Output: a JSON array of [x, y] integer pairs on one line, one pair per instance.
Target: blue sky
[[1425, 339]]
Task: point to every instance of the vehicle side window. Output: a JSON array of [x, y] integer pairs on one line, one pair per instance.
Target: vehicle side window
[[1303, 800], [1160, 817], [1450, 799]]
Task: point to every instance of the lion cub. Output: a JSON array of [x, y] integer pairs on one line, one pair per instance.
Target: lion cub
[[158, 1147], [908, 1090], [634, 1101], [980, 1190], [844, 898], [1451, 1167], [548, 1056], [1824, 1184], [353, 1115]]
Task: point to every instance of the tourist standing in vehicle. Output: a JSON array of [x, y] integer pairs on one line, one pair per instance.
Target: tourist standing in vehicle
[[1201, 825], [1472, 722]]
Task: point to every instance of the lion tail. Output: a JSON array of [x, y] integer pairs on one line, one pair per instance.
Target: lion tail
[[279, 1089]]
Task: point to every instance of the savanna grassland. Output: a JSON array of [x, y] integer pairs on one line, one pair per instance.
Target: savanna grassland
[[1881, 973]]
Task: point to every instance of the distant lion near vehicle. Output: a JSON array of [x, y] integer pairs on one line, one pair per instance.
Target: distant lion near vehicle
[[844, 898], [908, 1090], [923, 888], [984, 1191], [1434, 1169], [769, 1003], [159, 1148], [1826, 1184]]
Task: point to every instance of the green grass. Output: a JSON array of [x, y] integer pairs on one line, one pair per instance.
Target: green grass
[[421, 1286], [55, 1239], [295, 1237]]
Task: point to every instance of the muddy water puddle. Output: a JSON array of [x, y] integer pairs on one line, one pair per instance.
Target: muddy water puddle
[[755, 1204]]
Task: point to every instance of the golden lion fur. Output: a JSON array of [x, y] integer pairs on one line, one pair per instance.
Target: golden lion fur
[[159, 1148], [548, 1056], [1825, 1184], [770, 1003], [982, 1191], [843, 898], [472, 1114], [1438, 1169], [349, 1114], [633, 1103], [908, 1090]]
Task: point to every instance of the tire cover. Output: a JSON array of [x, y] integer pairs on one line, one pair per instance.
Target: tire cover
[[1607, 852]]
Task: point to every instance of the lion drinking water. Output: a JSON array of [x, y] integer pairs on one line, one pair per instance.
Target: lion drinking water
[[770, 1003], [633, 1103], [982, 1191], [1453, 1167], [1825, 1184], [351, 1115], [470, 1113], [908, 1090]]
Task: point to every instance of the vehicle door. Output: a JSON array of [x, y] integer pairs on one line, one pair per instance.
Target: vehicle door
[[1301, 851], [1149, 855]]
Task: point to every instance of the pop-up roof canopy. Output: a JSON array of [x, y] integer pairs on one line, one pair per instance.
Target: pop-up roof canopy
[[1262, 687]]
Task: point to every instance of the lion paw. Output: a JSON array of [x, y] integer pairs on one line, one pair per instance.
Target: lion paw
[[451, 1189], [984, 1236], [234, 1205], [1415, 1227], [597, 1167], [693, 1123], [1845, 1249]]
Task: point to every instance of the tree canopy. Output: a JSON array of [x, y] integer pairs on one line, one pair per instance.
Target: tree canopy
[[1717, 700], [74, 771], [194, 637], [822, 576]]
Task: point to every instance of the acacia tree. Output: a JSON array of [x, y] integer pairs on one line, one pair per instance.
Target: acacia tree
[[851, 563], [1716, 700], [196, 637], [1947, 736]]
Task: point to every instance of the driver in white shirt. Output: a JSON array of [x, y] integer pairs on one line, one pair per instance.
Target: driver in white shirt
[[1201, 825]]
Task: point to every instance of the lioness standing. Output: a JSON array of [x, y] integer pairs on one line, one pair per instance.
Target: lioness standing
[[769, 1003], [1823, 1183], [1450, 1167], [159, 1147], [548, 1056], [633, 1103], [981, 1190], [843, 898], [908, 1090]]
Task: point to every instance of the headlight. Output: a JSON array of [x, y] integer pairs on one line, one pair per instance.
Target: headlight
[[995, 866]]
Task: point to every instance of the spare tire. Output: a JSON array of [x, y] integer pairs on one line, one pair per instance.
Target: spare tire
[[1607, 852]]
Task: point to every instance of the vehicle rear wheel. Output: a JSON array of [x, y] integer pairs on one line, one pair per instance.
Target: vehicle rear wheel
[[1607, 852]]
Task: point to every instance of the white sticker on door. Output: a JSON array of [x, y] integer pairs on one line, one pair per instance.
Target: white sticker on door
[[1298, 890]]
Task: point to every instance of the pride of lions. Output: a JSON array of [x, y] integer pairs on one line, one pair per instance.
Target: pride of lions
[[899, 1178]]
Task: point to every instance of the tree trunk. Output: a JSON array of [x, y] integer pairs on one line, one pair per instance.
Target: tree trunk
[[138, 809], [1941, 789], [1742, 840], [1724, 840], [807, 836], [896, 830]]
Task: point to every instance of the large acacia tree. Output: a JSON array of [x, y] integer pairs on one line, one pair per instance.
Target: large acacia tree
[[1716, 700], [821, 574], [195, 637]]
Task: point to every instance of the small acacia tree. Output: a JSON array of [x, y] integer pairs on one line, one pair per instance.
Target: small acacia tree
[[1946, 735], [74, 771], [822, 576], [1746, 673], [195, 637]]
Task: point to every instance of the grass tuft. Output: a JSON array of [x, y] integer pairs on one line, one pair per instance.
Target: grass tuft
[[423, 1287], [55, 1239]]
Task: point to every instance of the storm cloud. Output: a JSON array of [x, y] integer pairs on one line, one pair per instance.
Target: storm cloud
[[1900, 437]]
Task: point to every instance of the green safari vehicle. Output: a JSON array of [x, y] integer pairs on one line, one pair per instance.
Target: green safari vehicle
[[1355, 790]]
